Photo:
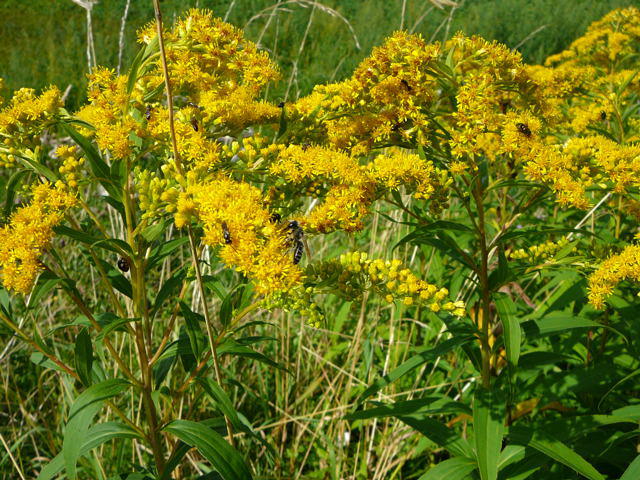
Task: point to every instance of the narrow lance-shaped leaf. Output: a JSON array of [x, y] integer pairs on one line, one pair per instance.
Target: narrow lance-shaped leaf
[[554, 449], [84, 356], [488, 428], [223, 457], [511, 327], [456, 468], [85, 407]]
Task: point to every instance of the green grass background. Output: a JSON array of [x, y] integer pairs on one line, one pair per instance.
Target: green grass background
[[43, 42]]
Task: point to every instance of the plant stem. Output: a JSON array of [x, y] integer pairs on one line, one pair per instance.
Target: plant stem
[[167, 83], [207, 321], [485, 295]]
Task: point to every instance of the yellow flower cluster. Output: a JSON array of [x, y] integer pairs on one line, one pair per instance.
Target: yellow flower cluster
[[109, 114], [615, 38], [72, 162], [26, 236], [23, 120], [350, 187], [623, 266], [213, 66], [235, 218], [384, 102], [196, 150]]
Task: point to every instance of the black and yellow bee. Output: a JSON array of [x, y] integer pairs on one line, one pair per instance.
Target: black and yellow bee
[[296, 240]]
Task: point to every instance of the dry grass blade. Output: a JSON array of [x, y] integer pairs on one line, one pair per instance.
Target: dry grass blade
[[280, 6]]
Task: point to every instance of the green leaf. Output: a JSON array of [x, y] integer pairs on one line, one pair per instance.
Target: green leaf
[[153, 232], [196, 337], [115, 323], [440, 434], [553, 448], [223, 402], [556, 324], [456, 468], [488, 428], [38, 168], [46, 282], [633, 471], [96, 436], [511, 326], [174, 460], [211, 445], [431, 405], [84, 357], [10, 188], [143, 55], [85, 407], [230, 302], [98, 166], [169, 287], [421, 357], [231, 347]]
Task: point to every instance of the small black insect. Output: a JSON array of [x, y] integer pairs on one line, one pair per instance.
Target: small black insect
[[147, 113], [281, 105], [123, 264], [194, 123], [524, 129], [603, 116], [305, 146], [406, 85], [396, 127], [194, 105], [298, 250], [225, 233], [275, 218]]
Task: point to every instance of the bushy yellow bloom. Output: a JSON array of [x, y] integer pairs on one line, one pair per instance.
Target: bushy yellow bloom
[[235, 218], [26, 236], [612, 39], [109, 114], [623, 266], [213, 66], [23, 120], [401, 169]]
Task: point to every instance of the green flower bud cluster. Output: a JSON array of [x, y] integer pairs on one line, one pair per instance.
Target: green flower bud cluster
[[150, 189], [299, 300], [353, 273], [542, 252]]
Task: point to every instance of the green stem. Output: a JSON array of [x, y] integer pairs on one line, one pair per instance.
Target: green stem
[[207, 321], [485, 295]]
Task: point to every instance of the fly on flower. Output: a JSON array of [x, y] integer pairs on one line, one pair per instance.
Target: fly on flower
[[226, 234], [524, 129]]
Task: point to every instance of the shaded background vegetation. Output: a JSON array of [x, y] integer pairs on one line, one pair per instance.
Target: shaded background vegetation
[[43, 42]]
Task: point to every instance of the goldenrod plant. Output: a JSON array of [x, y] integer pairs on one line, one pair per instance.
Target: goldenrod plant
[[203, 211]]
